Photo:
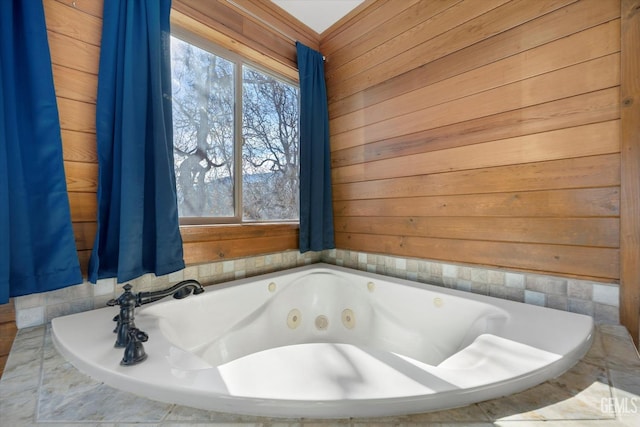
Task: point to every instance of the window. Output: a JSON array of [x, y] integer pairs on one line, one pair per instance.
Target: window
[[235, 138]]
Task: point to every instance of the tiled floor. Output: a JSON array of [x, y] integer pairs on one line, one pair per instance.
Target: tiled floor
[[40, 388]]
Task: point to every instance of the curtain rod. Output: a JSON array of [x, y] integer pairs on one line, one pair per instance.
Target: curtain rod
[[268, 24]]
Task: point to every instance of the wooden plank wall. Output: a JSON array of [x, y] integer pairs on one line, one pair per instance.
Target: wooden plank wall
[[479, 131], [74, 41], [8, 331], [74, 30], [630, 170]]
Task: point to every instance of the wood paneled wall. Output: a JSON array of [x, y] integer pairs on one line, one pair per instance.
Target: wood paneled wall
[[8, 332], [74, 41], [483, 132], [74, 30], [477, 131], [630, 169]]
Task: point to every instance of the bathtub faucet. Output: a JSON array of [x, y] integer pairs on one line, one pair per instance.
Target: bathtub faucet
[[128, 301], [179, 291]]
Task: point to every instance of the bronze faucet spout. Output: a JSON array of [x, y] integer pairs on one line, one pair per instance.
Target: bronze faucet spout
[[179, 291]]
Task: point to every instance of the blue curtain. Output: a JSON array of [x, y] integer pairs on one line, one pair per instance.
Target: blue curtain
[[138, 230], [316, 208], [37, 246]]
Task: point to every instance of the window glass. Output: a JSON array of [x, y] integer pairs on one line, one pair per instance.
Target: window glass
[[203, 131], [269, 147], [235, 138]]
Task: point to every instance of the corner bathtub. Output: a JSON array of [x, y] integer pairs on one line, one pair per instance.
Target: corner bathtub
[[325, 341]]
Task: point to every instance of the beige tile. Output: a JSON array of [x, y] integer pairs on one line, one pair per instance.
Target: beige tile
[[606, 294], [32, 316], [546, 284], [466, 414], [625, 399], [84, 290], [480, 275], [496, 277], [535, 298], [66, 395], [18, 409], [436, 269], [580, 289], [70, 307], [559, 302], [206, 270], [187, 414], [628, 422], [480, 288], [580, 306], [560, 423], [575, 395], [619, 348], [606, 313], [104, 287], [515, 280], [22, 369], [28, 301], [596, 354], [465, 273], [505, 292], [305, 422]]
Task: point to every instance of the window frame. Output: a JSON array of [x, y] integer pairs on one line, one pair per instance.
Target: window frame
[[239, 62]]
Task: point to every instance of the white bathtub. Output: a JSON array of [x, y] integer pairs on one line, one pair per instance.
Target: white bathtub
[[325, 341]]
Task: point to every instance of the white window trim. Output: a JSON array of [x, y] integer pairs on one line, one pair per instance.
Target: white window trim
[[238, 61]]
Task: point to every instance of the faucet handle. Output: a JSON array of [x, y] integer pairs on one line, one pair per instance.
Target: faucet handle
[[127, 299], [134, 351]]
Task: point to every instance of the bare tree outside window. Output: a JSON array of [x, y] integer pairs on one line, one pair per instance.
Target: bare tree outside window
[[205, 142], [270, 149], [203, 131]]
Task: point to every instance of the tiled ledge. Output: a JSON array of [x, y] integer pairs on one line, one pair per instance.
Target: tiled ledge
[[599, 300], [39, 309], [40, 388]]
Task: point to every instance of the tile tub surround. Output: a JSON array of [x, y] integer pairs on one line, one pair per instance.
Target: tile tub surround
[[39, 309], [40, 388], [599, 300]]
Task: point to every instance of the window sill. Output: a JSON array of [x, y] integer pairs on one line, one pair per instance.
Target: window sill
[[220, 242], [215, 232]]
